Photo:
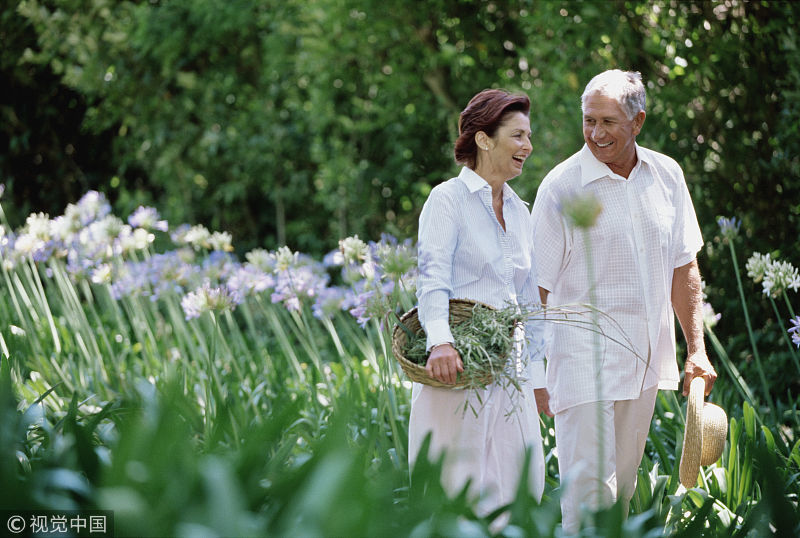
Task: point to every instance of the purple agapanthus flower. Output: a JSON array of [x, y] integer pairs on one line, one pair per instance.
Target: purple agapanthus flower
[[296, 284], [249, 280], [371, 303], [359, 310], [158, 275], [219, 265], [169, 272], [8, 254], [795, 330], [729, 227], [334, 258], [91, 207], [328, 301], [130, 281]]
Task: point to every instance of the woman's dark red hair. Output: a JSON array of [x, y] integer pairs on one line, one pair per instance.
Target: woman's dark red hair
[[485, 112]]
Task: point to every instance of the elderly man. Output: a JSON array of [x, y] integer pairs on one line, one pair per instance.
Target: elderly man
[[637, 265]]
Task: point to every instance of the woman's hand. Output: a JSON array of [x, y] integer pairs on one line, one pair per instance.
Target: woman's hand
[[543, 401], [444, 363]]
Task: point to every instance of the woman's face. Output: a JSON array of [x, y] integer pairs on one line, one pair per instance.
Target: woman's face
[[507, 150]]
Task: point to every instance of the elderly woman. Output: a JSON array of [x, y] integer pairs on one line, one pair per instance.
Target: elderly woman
[[474, 243]]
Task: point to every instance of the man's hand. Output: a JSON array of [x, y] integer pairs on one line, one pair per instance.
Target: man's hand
[[698, 365], [444, 363], [543, 401]]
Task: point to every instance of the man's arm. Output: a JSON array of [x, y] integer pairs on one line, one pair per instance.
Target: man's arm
[[687, 301], [541, 395]]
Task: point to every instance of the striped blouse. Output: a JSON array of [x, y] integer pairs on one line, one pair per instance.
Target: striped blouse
[[465, 253]]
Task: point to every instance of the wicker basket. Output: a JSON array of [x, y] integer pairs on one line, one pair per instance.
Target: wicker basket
[[460, 311]]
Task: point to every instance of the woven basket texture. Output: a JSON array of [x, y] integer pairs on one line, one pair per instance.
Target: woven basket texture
[[460, 311]]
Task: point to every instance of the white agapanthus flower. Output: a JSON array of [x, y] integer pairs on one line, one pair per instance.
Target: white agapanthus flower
[[757, 266], [354, 250], [26, 244], [221, 241], [134, 239], [284, 258], [38, 225], [261, 259], [779, 278], [102, 274], [197, 236]]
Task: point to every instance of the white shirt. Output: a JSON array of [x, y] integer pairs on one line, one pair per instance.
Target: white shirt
[[465, 253], [646, 229]]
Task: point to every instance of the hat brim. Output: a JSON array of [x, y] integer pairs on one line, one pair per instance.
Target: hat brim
[[704, 436], [693, 434], [715, 431]]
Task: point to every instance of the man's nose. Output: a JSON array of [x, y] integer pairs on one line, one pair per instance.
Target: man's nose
[[598, 132]]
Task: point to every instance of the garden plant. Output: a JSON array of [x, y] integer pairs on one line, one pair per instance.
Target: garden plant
[[152, 366], [145, 369]]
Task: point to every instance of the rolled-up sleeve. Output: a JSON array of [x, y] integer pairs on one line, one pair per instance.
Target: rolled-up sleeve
[[687, 228], [437, 241]]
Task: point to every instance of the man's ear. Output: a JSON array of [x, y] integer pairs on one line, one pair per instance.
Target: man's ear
[[638, 121]]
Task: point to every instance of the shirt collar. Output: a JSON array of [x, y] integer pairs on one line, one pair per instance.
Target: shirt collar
[[474, 183], [592, 168]]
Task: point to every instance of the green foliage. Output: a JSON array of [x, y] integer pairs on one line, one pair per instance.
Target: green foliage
[[270, 421], [300, 122], [46, 155], [296, 122]]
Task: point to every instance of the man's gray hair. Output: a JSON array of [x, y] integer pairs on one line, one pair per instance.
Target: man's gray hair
[[625, 87]]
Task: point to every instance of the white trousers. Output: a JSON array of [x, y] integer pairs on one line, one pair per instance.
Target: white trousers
[[487, 446], [600, 447]]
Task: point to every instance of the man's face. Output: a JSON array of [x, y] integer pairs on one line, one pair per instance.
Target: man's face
[[609, 133]]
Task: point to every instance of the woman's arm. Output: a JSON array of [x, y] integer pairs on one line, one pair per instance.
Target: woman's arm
[[438, 237]]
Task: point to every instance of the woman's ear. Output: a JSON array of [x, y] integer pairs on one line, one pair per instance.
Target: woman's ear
[[482, 140]]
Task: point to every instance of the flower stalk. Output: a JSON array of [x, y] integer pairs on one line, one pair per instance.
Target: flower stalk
[[730, 232]]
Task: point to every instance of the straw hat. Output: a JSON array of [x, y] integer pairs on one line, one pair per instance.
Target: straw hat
[[704, 437]]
